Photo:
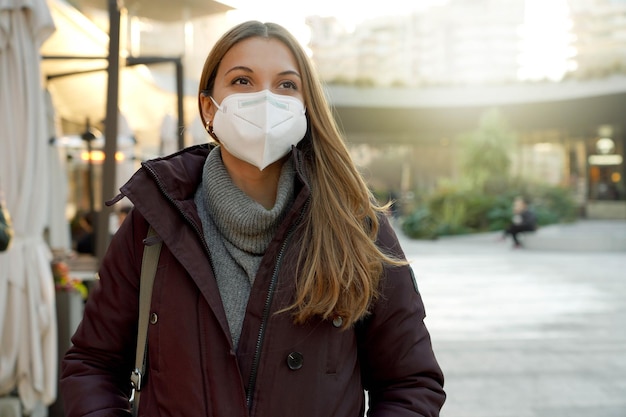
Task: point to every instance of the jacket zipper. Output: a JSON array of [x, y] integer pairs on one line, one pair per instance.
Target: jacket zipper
[[270, 294], [266, 312]]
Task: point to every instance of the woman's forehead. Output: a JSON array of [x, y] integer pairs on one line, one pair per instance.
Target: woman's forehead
[[256, 52]]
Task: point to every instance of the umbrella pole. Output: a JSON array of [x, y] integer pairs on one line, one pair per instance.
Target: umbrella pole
[[92, 204], [179, 104], [110, 131], [88, 137]]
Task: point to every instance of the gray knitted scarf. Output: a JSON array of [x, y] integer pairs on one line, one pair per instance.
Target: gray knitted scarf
[[237, 231]]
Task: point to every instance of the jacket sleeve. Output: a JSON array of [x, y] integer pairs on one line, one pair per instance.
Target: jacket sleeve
[[399, 368], [95, 372]]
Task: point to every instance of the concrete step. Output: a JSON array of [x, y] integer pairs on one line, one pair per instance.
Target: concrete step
[[583, 236]]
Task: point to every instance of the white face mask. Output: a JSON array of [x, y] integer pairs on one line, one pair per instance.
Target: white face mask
[[261, 127]]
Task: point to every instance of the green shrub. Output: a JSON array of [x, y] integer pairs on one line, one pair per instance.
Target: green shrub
[[500, 213], [554, 204], [420, 225], [453, 211]]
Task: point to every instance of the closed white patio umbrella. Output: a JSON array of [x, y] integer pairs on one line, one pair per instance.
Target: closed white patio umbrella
[[28, 334]]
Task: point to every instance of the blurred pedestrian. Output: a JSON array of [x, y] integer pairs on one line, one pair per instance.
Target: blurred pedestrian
[[281, 288], [117, 218], [523, 220], [122, 214], [6, 226], [86, 240]]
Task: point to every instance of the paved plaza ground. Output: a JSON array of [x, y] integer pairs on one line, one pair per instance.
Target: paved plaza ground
[[525, 332]]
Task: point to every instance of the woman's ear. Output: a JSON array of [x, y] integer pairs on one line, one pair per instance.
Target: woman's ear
[[208, 112], [208, 108]]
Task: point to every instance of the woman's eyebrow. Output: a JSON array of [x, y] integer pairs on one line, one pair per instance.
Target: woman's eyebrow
[[290, 72], [248, 69], [239, 67]]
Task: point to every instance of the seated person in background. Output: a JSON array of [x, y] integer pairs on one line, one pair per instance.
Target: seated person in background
[[524, 220]]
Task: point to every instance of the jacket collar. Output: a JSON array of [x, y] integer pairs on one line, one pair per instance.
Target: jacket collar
[[179, 175]]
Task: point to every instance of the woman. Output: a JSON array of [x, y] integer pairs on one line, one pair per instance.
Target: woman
[[281, 289]]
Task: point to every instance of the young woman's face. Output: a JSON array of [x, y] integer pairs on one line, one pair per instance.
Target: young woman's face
[[253, 65]]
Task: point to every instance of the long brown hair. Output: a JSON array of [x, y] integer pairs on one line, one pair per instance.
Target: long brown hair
[[341, 266]]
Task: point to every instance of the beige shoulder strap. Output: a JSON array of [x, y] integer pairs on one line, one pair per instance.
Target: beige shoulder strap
[[149, 265]]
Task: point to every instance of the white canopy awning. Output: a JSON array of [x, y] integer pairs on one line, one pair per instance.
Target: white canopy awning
[[79, 94], [163, 10], [142, 8]]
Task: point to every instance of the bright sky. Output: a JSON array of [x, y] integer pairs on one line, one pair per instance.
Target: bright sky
[[546, 48]]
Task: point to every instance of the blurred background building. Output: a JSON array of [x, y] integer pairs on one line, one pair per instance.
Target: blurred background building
[[405, 84], [555, 68]]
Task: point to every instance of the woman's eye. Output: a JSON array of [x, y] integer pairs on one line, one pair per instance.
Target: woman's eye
[[241, 81], [289, 84]]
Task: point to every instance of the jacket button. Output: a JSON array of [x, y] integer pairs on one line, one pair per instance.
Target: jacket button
[[337, 321], [154, 318], [294, 360]]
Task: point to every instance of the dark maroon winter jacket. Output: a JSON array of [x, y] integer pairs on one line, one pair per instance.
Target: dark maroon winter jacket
[[280, 369]]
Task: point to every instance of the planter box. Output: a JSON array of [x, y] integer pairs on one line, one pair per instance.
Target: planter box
[[70, 306], [10, 407]]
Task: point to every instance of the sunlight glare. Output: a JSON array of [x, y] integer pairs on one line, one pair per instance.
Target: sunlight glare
[[348, 12], [546, 46]]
